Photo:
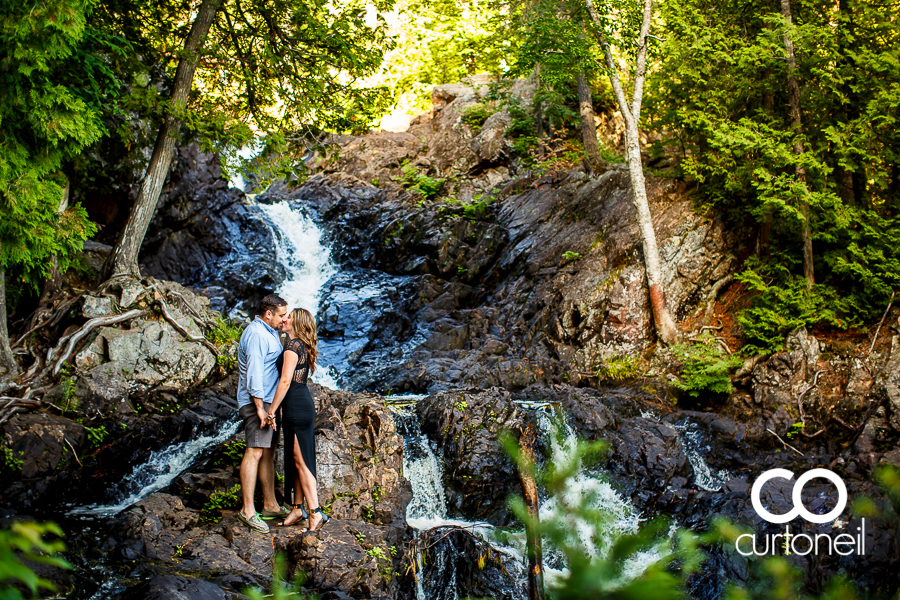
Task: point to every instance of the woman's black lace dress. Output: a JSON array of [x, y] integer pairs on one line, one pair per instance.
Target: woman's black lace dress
[[298, 418]]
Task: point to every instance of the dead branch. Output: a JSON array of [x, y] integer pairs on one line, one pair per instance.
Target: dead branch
[[69, 444], [784, 443], [187, 305], [52, 319], [164, 308], [880, 323], [709, 305]]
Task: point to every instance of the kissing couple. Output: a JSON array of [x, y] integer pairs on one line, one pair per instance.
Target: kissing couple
[[273, 396]]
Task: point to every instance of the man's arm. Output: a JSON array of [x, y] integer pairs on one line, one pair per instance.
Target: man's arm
[[255, 353]]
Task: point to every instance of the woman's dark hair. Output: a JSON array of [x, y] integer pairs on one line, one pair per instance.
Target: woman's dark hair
[[271, 303]]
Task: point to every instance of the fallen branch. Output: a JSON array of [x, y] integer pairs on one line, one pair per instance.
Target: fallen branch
[[86, 329], [786, 445], [880, 323], [187, 305], [68, 443], [168, 316]]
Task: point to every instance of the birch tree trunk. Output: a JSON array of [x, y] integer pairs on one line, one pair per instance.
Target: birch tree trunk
[[52, 284], [7, 359], [662, 319], [123, 260], [592, 161], [797, 124]]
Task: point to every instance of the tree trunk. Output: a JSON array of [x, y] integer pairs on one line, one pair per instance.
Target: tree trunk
[[592, 161], [662, 319], [538, 107], [532, 502], [52, 284], [123, 260], [797, 124], [7, 359]]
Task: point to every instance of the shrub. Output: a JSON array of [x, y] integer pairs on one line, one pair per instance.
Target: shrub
[[224, 332], [474, 116], [704, 366], [413, 180]]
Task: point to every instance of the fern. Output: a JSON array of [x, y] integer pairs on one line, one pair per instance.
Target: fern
[[704, 367]]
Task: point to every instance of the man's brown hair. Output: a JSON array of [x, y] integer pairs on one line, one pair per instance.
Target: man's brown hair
[[271, 303]]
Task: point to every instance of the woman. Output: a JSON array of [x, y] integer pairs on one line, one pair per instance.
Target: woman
[[298, 418]]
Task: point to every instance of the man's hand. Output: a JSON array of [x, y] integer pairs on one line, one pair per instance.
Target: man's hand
[[261, 413]]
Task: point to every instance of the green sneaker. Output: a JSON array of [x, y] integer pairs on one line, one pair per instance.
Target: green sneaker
[[255, 522], [281, 513]]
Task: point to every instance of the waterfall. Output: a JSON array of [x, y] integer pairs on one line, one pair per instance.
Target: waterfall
[[299, 247], [159, 470], [694, 445]]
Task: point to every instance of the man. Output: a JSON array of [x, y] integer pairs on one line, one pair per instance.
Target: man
[[259, 348]]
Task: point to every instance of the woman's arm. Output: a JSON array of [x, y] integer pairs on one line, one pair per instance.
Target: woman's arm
[[287, 373]]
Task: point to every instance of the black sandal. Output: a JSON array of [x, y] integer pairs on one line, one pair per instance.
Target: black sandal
[[303, 515], [325, 519]]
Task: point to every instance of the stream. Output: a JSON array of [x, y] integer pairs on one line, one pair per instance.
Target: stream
[[349, 305]]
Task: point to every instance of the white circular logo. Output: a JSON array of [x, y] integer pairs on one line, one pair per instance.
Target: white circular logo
[[797, 498]]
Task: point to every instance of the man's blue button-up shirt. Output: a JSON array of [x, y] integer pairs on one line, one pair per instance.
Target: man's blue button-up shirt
[[260, 347]]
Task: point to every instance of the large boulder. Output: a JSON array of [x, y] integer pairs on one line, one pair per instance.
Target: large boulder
[[359, 458], [467, 426]]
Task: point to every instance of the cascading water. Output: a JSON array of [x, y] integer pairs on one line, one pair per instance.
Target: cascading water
[[299, 247], [694, 445], [160, 469]]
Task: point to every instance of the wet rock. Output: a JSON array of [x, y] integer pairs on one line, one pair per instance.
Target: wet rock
[[41, 442], [175, 587], [205, 234], [467, 425], [343, 558], [461, 565], [648, 452]]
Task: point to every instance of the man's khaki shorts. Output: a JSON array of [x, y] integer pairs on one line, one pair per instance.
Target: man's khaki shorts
[[256, 436]]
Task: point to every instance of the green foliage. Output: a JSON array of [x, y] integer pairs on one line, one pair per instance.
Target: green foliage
[[784, 302], [474, 116], [26, 541], [621, 367], [233, 453], [10, 461], [569, 255], [221, 500], [224, 332], [704, 366], [441, 42], [795, 430], [280, 589], [44, 121], [603, 557], [68, 383], [96, 435], [413, 180], [721, 90], [377, 552]]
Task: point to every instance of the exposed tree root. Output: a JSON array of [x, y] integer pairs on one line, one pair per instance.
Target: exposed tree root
[[86, 329], [164, 308], [708, 307]]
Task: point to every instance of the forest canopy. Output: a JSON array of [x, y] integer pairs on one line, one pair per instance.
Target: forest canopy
[[813, 171]]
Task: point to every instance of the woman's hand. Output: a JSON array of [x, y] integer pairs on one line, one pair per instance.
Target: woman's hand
[[270, 420]]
